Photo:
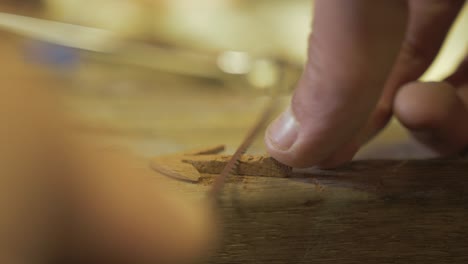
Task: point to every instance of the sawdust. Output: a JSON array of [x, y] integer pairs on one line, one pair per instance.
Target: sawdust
[[195, 165], [251, 165]]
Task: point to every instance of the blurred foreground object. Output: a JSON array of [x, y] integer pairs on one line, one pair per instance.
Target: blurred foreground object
[[62, 197]]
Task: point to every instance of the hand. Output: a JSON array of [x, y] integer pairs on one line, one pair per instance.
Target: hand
[[364, 59]]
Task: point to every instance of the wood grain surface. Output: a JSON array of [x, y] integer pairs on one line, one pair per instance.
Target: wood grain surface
[[382, 211]]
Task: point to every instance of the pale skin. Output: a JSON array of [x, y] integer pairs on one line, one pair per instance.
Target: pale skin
[[364, 59]]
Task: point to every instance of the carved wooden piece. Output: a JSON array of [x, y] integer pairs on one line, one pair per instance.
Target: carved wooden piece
[[252, 165], [189, 166]]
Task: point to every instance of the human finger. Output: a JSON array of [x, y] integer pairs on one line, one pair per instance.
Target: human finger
[[351, 51]]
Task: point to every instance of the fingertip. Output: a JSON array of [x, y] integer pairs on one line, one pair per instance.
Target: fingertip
[[282, 132], [307, 143], [435, 115], [284, 142], [425, 105]]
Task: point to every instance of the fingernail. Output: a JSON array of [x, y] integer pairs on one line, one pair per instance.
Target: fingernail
[[282, 133]]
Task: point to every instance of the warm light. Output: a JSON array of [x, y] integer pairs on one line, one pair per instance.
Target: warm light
[[234, 62], [265, 73]]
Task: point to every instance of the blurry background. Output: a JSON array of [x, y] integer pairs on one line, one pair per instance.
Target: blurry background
[[260, 26], [168, 75]]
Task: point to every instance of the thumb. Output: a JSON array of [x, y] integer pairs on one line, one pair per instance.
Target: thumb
[[351, 51]]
